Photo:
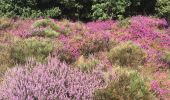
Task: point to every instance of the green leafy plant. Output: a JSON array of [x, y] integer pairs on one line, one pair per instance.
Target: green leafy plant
[[126, 54], [108, 9], [163, 9]]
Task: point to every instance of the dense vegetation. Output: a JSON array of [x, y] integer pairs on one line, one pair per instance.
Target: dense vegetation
[[84, 9], [102, 60], [84, 49]]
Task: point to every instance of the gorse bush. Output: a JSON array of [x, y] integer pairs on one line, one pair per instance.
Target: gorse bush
[[126, 54], [51, 81], [46, 28], [129, 86], [22, 49], [87, 64], [46, 23]]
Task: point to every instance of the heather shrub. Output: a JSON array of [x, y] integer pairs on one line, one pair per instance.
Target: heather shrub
[[87, 64], [51, 81], [128, 86], [92, 45], [126, 54], [22, 49], [166, 57], [5, 23], [5, 60], [66, 55]]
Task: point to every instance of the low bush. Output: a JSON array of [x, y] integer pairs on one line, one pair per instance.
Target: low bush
[[92, 45], [46, 28], [5, 23], [51, 33], [45, 23], [87, 64], [124, 23], [22, 49], [66, 55], [5, 59], [129, 86], [51, 81], [42, 23], [126, 54], [166, 57]]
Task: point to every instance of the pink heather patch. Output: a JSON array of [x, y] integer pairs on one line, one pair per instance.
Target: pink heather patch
[[55, 80]]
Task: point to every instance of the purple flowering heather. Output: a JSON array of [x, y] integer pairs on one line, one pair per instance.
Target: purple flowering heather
[[52, 81]]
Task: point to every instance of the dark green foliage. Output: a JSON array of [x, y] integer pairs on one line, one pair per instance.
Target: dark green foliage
[[163, 9], [28, 8], [129, 86], [83, 9], [126, 54], [104, 9], [22, 49]]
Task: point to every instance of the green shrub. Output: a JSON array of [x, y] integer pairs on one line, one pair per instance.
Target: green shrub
[[46, 23], [126, 54], [124, 23], [129, 86], [166, 57], [42, 23], [45, 27], [51, 33], [87, 64], [38, 49]]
